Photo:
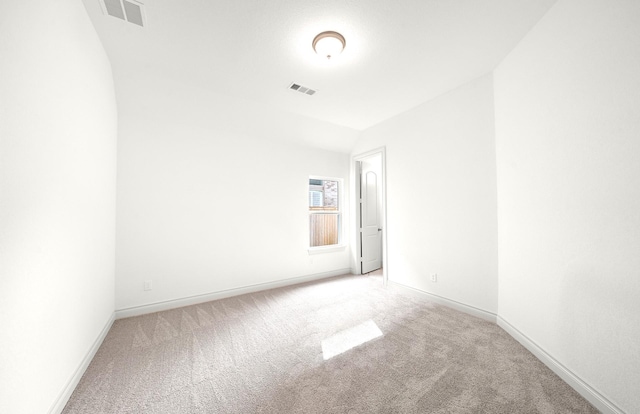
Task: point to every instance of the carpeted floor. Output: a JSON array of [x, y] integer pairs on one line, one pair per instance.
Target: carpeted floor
[[263, 353]]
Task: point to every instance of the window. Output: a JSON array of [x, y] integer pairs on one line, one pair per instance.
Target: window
[[325, 216]]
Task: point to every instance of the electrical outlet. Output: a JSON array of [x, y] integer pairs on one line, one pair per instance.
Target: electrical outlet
[[434, 278], [148, 285]]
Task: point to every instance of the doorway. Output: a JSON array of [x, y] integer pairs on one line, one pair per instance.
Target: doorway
[[370, 211]]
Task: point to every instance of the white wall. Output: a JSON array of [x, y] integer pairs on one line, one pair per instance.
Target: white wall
[[568, 157], [441, 195], [213, 193], [57, 198]]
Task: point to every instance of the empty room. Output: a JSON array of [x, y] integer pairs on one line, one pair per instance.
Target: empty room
[[330, 206]]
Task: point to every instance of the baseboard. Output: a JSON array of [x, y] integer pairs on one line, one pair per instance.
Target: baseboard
[[584, 389], [472, 310], [588, 392], [221, 294], [64, 396]]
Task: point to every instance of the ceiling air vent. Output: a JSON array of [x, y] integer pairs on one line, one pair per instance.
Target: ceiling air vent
[[129, 10], [302, 89]]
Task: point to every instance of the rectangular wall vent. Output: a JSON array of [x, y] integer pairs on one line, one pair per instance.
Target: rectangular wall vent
[[302, 89], [129, 10]]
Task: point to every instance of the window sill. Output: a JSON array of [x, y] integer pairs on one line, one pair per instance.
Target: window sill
[[326, 249]]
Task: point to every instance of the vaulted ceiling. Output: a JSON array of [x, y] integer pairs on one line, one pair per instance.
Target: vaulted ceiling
[[399, 53]]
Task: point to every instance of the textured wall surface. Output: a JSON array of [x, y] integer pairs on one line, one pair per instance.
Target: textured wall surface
[[57, 198], [194, 213], [568, 148], [441, 195]]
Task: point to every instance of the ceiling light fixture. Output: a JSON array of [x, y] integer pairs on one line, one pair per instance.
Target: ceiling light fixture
[[329, 44]]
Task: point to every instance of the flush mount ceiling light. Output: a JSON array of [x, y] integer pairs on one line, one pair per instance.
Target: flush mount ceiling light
[[329, 44]]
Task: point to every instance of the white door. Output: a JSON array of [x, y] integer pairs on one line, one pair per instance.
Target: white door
[[370, 230]]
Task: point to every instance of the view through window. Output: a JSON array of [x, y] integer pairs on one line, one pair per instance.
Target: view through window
[[324, 212]]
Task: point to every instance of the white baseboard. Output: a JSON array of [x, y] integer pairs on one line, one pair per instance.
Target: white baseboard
[[472, 310], [588, 392], [206, 297], [64, 396], [584, 389]]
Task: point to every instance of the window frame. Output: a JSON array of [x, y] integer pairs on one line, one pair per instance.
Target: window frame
[[339, 212]]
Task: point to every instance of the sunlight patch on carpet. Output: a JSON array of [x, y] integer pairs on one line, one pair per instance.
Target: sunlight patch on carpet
[[349, 338]]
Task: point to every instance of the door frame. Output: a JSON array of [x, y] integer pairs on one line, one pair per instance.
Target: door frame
[[382, 151]]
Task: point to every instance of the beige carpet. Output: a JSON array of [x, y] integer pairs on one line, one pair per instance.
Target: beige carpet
[[263, 353]]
